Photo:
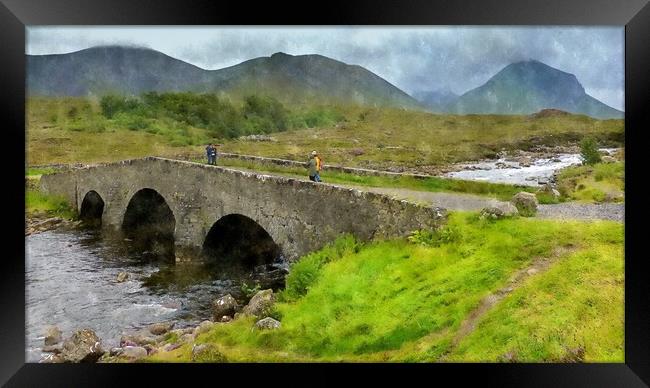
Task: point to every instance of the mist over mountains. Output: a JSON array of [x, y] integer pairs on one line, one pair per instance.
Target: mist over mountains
[[520, 88]]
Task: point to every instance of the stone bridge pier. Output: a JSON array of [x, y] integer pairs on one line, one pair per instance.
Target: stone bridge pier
[[191, 202]]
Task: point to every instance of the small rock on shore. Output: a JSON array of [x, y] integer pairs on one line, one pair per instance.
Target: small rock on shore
[[268, 323], [83, 346]]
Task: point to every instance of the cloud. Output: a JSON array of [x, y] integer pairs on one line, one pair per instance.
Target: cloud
[[455, 58]]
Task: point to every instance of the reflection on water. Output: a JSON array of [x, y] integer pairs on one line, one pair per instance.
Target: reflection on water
[[71, 283]]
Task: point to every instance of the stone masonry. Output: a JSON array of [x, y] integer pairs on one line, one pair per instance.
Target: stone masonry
[[300, 216]]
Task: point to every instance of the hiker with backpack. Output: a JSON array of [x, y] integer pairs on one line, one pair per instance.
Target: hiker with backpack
[[314, 164]]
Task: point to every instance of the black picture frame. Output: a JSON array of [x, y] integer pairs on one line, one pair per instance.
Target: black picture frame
[[16, 14]]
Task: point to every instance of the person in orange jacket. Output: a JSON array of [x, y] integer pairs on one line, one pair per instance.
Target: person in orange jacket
[[314, 164]]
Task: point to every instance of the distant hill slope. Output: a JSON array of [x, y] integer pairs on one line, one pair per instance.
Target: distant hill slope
[[436, 100], [529, 86], [110, 69], [118, 69], [312, 77]]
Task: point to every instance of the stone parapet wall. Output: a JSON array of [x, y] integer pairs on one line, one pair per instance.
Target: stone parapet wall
[[327, 167]]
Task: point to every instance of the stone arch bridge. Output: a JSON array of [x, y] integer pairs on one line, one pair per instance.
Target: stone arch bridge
[[190, 201]]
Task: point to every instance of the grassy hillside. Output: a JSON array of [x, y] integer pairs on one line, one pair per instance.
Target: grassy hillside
[[66, 130], [388, 138], [602, 182], [553, 291]]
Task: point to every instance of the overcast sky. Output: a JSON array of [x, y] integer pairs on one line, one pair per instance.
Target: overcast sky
[[416, 58]]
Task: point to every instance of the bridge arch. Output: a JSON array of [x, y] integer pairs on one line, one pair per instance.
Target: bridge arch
[[238, 242], [150, 224], [92, 209]]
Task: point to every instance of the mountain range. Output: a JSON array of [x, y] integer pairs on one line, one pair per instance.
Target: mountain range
[[520, 88], [130, 70]]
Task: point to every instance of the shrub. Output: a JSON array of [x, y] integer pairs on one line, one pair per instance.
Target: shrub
[[249, 291], [73, 112], [589, 151], [436, 237], [137, 123], [112, 104], [269, 112]]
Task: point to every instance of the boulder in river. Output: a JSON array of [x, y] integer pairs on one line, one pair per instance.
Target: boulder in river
[[226, 305], [260, 304], [525, 162], [122, 277], [268, 323], [526, 203], [52, 335], [83, 346]]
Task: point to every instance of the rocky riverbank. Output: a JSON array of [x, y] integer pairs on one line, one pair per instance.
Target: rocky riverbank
[[41, 222], [85, 346]]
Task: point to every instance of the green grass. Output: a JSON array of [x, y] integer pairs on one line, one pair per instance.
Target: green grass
[[576, 305], [37, 172], [399, 300], [37, 202], [602, 182]]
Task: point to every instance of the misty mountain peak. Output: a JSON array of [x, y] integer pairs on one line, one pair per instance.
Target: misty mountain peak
[[526, 87]]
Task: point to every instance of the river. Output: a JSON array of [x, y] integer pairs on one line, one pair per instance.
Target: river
[[71, 283], [506, 170]]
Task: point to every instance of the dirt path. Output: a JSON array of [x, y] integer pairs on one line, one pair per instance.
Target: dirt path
[[585, 211], [538, 265], [471, 202]]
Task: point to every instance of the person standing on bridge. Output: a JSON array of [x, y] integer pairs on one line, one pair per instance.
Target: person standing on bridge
[[314, 164], [211, 153]]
